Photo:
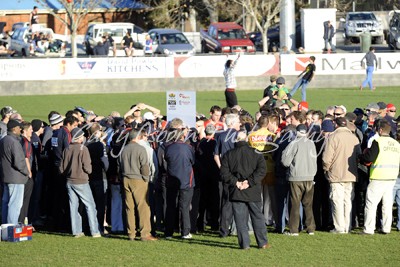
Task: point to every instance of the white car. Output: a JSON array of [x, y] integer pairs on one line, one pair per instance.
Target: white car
[[21, 42], [358, 22]]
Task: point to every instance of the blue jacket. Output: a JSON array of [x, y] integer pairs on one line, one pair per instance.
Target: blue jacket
[[179, 157]]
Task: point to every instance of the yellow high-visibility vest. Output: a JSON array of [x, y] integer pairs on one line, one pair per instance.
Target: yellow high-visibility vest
[[386, 166]]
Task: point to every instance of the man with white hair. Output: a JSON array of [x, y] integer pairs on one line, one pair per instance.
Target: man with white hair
[[225, 142]]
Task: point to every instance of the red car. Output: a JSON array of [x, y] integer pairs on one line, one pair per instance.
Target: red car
[[225, 37]]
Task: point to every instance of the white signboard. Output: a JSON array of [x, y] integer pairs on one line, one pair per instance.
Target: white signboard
[[182, 105], [328, 64]]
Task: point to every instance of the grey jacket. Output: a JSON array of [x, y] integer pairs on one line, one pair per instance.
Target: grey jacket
[[134, 163], [300, 156], [12, 161]]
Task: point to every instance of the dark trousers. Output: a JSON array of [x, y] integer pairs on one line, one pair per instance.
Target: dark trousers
[[194, 211], [160, 202], [182, 198], [99, 188], [282, 203], [241, 211], [301, 192], [321, 205], [28, 188], [209, 204], [226, 217], [230, 97]]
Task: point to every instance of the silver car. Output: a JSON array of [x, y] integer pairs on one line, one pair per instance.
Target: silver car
[[21, 42], [358, 22], [393, 37], [170, 42]]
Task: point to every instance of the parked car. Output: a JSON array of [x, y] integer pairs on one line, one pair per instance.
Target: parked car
[[225, 37], [170, 42], [117, 30], [393, 36], [273, 37], [21, 42], [358, 22]]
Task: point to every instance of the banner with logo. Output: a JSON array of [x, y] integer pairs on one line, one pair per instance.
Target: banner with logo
[[327, 64], [182, 105]]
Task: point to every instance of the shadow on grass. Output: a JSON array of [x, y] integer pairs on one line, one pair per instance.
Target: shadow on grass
[[204, 242]]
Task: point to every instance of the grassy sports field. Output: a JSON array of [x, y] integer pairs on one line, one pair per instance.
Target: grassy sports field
[[323, 249], [39, 106]]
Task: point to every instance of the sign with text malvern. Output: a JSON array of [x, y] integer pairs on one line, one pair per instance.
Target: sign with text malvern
[[182, 105]]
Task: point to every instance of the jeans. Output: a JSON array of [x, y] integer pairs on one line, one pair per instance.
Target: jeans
[[396, 198], [117, 224], [13, 197], [241, 211], [282, 202], [82, 192], [332, 46], [303, 83], [368, 80]]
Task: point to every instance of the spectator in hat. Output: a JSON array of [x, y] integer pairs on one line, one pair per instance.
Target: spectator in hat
[[370, 58], [382, 109], [76, 166], [272, 80], [360, 123], [340, 165], [327, 126], [303, 106], [6, 113], [55, 122], [13, 173], [390, 117], [306, 77]]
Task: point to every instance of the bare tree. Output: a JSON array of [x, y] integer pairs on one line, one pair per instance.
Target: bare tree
[[75, 10], [212, 8], [263, 12]]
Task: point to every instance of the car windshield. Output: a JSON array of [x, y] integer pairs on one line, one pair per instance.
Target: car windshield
[[231, 34], [114, 32], [362, 16], [173, 38]]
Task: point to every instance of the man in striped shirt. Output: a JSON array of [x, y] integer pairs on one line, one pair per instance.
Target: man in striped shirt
[[230, 82]]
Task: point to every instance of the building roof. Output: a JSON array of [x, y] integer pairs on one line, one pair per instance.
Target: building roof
[[23, 5]]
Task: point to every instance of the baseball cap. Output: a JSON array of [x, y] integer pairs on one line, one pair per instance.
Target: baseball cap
[[372, 106], [7, 110], [381, 105], [303, 105], [390, 106], [327, 126], [280, 80], [358, 111], [301, 128], [12, 124]]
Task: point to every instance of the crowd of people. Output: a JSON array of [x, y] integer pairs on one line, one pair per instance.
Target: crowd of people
[[289, 167]]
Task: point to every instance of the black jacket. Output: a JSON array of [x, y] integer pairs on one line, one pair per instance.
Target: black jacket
[[240, 164]]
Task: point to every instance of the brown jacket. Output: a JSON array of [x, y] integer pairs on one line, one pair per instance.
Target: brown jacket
[[340, 156], [76, 164]]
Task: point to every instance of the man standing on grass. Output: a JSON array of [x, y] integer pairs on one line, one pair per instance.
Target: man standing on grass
[[340, 166], [369, 57], [385, 157], [135, 172], [14, 172], [308, 75], [242, 170], [76, 166]]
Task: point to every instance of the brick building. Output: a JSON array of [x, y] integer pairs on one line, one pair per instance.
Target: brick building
[[12, 11]]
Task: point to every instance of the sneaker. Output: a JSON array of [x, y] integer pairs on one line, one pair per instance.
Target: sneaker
[[96, 235], [361, 88], [79, 235], [188, 236], [291, 234], [311, 233], [168, 237], [365, 233]]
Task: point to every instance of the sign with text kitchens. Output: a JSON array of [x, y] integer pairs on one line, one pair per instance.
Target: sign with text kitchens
[[327, 64]]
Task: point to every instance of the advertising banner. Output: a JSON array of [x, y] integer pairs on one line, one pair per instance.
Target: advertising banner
[[327, 64], [182, 105]]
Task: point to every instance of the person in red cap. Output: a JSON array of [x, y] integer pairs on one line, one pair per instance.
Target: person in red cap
[[303, 106], [390, 117]]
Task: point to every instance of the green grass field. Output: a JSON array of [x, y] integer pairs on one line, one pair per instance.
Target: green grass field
[[39, 106], [323, 249]]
